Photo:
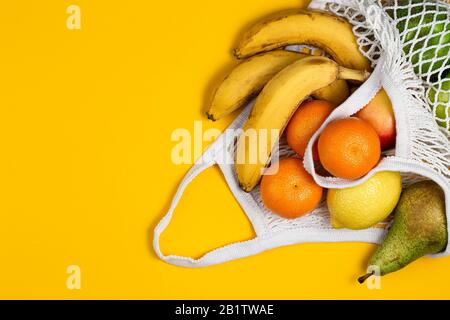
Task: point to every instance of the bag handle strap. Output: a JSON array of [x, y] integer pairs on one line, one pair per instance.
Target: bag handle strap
[[230, 252]]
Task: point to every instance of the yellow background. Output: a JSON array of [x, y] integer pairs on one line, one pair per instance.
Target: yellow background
[[85, 168]]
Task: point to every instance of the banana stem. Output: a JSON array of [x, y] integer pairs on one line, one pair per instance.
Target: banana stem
[[351, 74], [363, 279]]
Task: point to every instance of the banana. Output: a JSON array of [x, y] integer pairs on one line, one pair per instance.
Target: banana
[[249, 77], [337, 92], [274, 108], [326, 31]]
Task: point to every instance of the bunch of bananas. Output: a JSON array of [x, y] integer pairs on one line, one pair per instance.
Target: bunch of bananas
[[284, 79]]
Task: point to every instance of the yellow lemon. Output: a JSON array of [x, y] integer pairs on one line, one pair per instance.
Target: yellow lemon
[[364, 206]]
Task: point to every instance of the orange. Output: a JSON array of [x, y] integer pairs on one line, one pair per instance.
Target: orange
[[288, 190], [349, 148], [305, 122]]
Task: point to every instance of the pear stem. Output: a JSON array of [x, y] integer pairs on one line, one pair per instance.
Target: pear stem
[[363, 279], [351, 74]]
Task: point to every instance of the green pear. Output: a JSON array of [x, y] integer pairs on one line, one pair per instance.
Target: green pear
[[419, 229]]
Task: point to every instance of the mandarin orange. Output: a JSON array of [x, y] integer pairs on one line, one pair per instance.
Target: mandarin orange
[[305, 122], [288, 190], [349, 148]]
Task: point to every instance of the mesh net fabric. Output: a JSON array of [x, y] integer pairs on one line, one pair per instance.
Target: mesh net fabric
[[425, 33], [427, 143]]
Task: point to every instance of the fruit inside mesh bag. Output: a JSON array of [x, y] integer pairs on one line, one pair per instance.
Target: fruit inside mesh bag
[[425, 30], [424, 27]]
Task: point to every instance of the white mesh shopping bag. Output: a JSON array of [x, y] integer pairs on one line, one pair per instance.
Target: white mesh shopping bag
[[422, 152]]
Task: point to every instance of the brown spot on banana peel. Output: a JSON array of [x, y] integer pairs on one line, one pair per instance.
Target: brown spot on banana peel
[[281, 15], [281, 44], [210, 116]]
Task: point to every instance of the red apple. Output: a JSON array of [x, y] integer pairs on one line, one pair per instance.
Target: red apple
[[380, 114]]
